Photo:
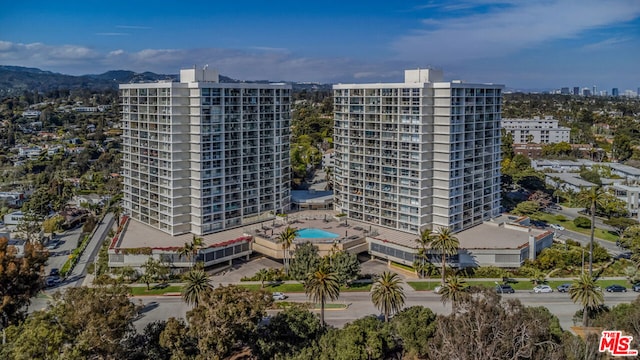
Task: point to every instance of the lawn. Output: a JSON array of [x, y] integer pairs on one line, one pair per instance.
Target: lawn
[[334, 306], [142, 290], [568, 224], [298, 287]]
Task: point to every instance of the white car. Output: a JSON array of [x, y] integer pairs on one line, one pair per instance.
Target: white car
[[557, 227], [279, 296], [437, 289], [542, 289]]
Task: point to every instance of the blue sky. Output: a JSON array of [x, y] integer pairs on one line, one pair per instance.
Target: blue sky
[[522, 44]]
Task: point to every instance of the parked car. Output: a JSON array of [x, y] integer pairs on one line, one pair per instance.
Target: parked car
[[616, 288], [636, 287], [624, 255], [279, 296], [542, 289], [557, 227], [54, 272], [563, 287], [504, 289], [437, 289], [555, 207], [51, 281]]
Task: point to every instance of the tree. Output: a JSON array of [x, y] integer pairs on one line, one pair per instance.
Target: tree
[[415, 326], [586, 292], [591, 198], [387, 294], [83, 323], [190, 250], [30, 225], [287, 332], [196, 286], [346, 266], [453, 290], [506, 146], [446, 244], [364, 339], [305, 261], [176, 339], [321, 286], [582, 222], [528, 208], [497, 329], [620, 224], [146, 345], [20, 279], [285, 239], [226, 319], [422, 263], [153, 270], [621, 148]]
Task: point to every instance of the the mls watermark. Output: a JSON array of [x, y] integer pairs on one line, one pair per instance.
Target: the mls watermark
[[617, 344]]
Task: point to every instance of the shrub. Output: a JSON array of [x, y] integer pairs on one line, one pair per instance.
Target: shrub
[[490, 272], [582, 222], [561, 218]]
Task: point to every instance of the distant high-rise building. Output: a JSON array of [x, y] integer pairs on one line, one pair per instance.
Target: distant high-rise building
[[595, 90], [586, 92], [564, 91], [576, 90], [420, 154], [200, 156], [614, 92]]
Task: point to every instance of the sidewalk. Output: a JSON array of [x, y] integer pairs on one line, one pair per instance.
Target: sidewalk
[[78, 272]]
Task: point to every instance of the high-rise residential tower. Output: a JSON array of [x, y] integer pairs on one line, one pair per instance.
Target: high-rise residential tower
[[200, 156], [419, 154]]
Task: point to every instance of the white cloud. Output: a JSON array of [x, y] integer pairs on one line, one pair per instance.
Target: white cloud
[[606, 43], [510, 27]]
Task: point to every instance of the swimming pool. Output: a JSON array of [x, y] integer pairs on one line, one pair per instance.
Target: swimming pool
[[313, 233]]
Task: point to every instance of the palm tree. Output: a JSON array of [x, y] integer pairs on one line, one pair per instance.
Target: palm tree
[[320, 286], [387, 294], [585, 291], [453, 290], [190, 250], [446, 244], [591, 198], [196, 286], [426, 237], [285, 239]]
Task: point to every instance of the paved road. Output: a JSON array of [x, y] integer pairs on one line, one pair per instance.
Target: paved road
[[572, 213], [359, 305]]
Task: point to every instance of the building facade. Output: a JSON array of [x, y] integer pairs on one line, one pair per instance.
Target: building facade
[[536, 130], [200, 156], [420, 154]]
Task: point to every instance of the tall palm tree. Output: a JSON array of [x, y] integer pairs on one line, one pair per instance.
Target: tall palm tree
[[320, 286], [453, 290], [425, 239], [196, 286], [591, 198], [387, 294], [285, 239], [585, 291], [447, 244]]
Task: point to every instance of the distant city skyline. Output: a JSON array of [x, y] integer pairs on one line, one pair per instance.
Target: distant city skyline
[[548, 44]]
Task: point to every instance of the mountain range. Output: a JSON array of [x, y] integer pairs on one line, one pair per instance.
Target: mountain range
[[16, 79]]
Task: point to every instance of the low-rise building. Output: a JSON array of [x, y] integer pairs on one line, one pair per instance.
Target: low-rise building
[[536, 130]]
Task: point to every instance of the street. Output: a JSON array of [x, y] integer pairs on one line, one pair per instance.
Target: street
[[360, 305]]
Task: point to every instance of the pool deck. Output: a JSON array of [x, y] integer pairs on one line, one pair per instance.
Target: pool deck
[[345, 229]]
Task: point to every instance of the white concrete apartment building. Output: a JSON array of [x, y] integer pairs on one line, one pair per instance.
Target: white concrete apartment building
[[419, 154], [200, 156], [536, 130]]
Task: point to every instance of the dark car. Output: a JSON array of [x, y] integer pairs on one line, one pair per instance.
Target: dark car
[[564, 287], [616, 288], [636, 287], [54, 272], [624, 255], [504, 289]]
